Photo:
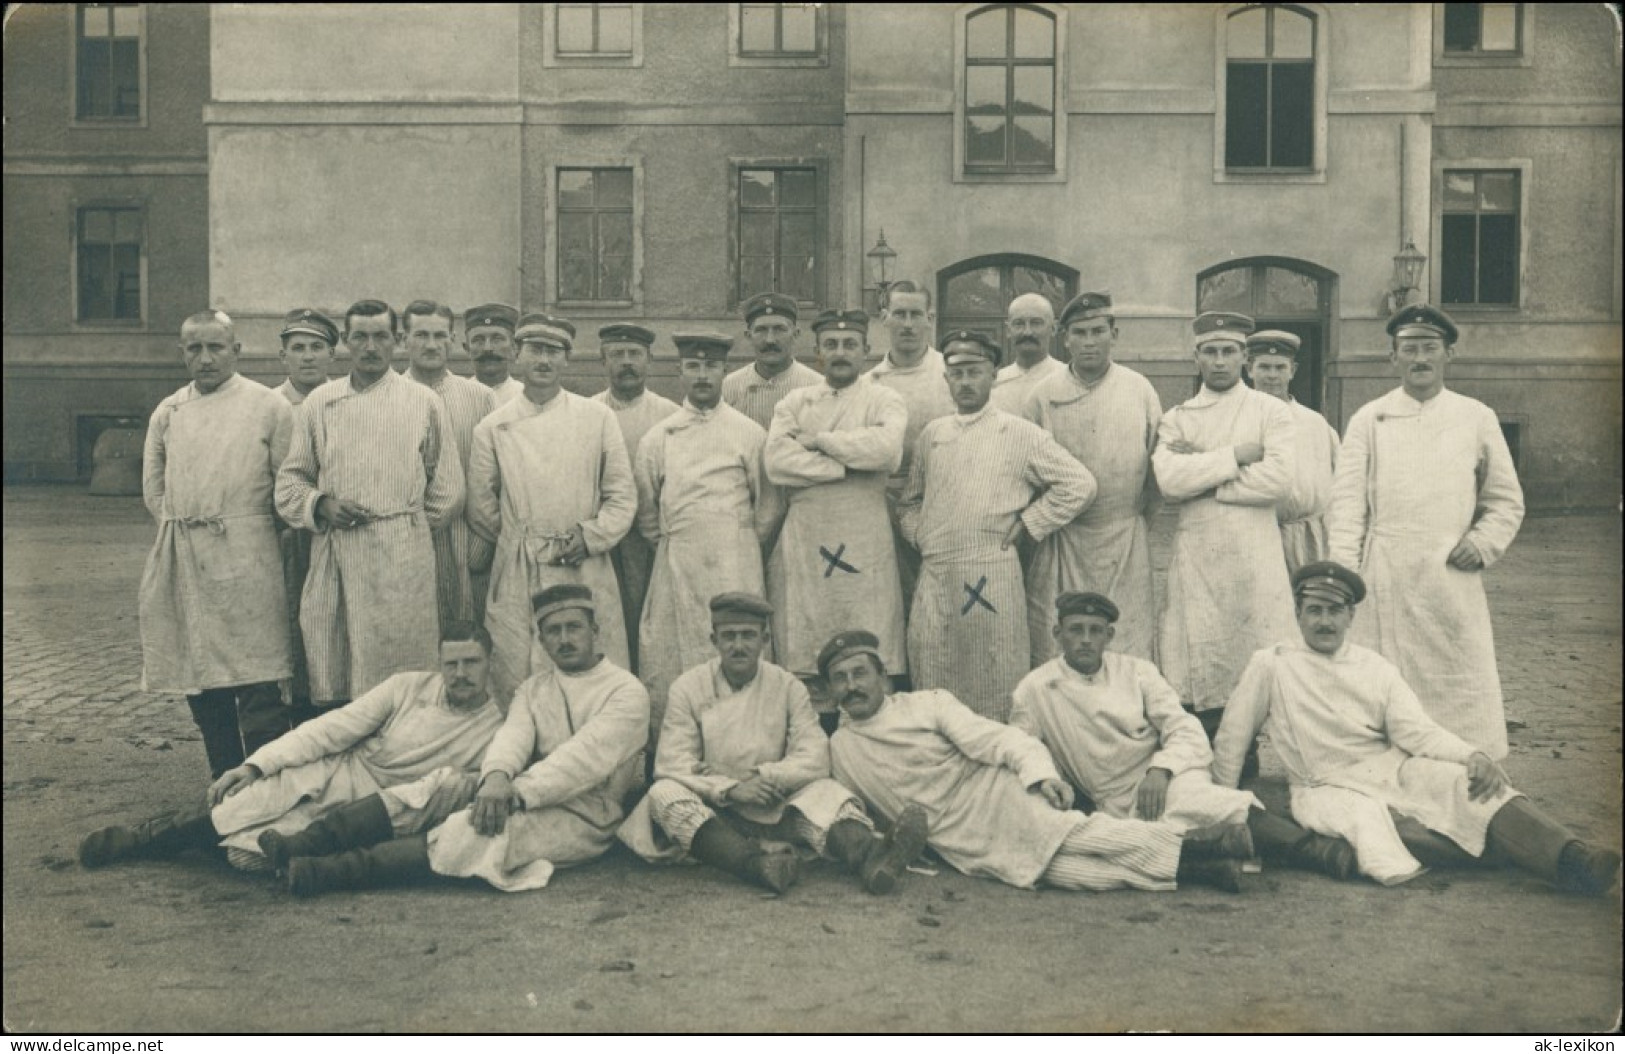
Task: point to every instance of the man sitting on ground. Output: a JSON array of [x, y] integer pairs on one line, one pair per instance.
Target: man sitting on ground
[[1366, 763], [742, 759]]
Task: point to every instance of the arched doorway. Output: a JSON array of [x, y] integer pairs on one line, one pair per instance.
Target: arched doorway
[[975, 294], [1279, 293]]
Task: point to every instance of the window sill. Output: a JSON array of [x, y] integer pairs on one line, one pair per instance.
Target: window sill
[[1490, 60], [778, 61], [1269, 175], [590, 61], [1485, 311], [1015, 175], [108, 123], [111, 325]]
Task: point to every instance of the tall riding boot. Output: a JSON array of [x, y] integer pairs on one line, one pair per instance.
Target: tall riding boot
[[721, 846], [1219, 872], [214, 711], [159, 837], [1524, 835], [1285, 844], [1221, 841], [261, 717], [1431, 848], [354, 825], [391, 863], [879, 862]]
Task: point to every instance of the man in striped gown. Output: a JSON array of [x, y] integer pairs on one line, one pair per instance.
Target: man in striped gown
[[983, 481]]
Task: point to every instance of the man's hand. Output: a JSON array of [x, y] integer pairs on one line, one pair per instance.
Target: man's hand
[[755, 791], [1058, 793], [446, 799], [1249, 453], [1466, 557], [1153, 795], [1485, 779], [336, 514], [1016, 536], [574, 549], [493, 803], [231, 781]]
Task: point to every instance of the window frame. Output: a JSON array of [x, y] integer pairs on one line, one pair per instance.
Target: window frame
[[1485, 59], [552, 58], [1068, 275], [1321, 36], [105, 325], [1319, 380], [821, 248], [1524, 169], [817, 59], [550, 221], [75, 18], [962, 173]]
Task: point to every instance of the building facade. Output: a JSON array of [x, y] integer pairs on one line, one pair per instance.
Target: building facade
[[660, 162]]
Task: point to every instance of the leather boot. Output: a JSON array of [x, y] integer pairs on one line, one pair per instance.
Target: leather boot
[[1219, 873], [721, 846], [1221, 841], [354, 825], [159, 837], [1582, 869], [1285, 844], [391, 863], [1522, 834], [1431, 848], [880, 862]]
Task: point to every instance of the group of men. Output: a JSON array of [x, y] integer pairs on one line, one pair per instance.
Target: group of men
[[621, 574]]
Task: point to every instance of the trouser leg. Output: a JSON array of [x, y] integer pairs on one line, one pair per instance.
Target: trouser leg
[[214, 711], [1102, 853], [261, 717]]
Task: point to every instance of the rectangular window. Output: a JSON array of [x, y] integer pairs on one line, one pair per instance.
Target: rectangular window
[[1478, 257], [595, 234], [594, 29], [1483, 29], [1010, 79], [778, 241], [107, 62], [1270, 89], [773, 30], [108, 248]]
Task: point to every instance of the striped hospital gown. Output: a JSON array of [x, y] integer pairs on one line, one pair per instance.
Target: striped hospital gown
[[368, 609], [1303, 513], [973, 476], [756, 397]]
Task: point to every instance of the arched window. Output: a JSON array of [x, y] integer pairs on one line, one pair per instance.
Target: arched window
[[975, 294], [1010, 89], [1270, 91], [1278, 293]]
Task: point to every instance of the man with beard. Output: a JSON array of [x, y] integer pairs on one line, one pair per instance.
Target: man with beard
[[400, 758], [1366, 763], [1030, 323], [984, 483], [1106, 416], [1272, 362], [913, 369], [1225, 456], [704, 501], [488, 339], [832, 447], [426, 327], [742, 760], [996, 807], [624, 349], [552, 783], [770, 326], [1425, 498], [373, 469], [550, 494]]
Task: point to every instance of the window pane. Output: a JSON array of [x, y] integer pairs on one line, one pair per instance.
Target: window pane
[[95, 300], [984, 141], [1499, 29], [975, 293], [1294, 35], [798, 186], [615, 233], [985, 35], [756, 231], [1290, 293], [575, 234], [756, 28], [97, 20], [614, 29], [1033, 142], [127, 20], [95, 227], [800, 28], [755, 276], [575, 188], [575, 278], [797, 234], [1459, 190], [1456, 259], [1498, 191], [1244, 116], [797, 277], [1461, 27], [1245, 36], [127, 291], [1025, 280], [1035, 35], [1292, 140], [127, 227], [126, 78], [1230, 290], [1034, 91], [756, 187], [1497, 259], [615, 278], [985, 90], [614, 187], [94, 99], [575, 28]]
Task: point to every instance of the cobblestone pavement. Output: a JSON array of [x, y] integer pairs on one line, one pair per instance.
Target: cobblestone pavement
[[84, 745]]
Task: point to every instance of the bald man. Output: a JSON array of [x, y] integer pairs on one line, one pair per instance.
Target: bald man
[[1030, 326]]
